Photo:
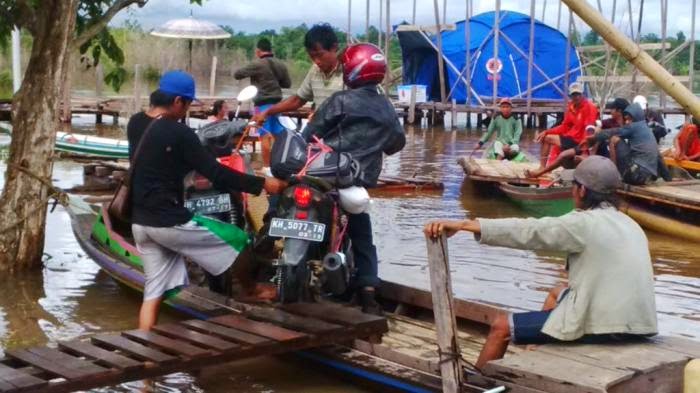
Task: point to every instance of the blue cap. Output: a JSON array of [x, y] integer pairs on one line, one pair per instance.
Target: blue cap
[[177, 83]]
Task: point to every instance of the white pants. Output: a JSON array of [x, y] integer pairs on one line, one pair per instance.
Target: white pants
[[498, 148]]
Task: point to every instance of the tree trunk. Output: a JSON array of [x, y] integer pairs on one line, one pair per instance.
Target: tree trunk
[[35, 121]]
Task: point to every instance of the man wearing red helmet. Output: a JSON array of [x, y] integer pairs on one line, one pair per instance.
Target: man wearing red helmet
[[361, 121]]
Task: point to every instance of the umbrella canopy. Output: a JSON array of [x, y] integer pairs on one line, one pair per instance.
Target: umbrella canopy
[[191, 28]]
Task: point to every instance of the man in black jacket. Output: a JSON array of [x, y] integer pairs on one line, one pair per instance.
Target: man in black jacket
[[362, 122], [164, 230]]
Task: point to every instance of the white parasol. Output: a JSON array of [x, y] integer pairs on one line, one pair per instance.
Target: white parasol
[[191, 29]]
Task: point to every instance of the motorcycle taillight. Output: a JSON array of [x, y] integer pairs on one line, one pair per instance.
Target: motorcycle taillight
[[302, 197]]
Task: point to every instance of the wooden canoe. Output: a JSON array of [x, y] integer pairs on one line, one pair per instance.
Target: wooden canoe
[[495, 171], [92, 146], [540, 201], [693, 167]]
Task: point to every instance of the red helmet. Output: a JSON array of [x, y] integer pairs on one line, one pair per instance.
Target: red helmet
[[363, 64]]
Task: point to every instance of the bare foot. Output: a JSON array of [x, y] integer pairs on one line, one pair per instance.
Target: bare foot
[[531, 347], [262, 293], [533, 174]]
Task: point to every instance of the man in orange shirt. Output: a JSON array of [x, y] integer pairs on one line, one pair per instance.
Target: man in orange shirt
[[580, 118], [687, 143]]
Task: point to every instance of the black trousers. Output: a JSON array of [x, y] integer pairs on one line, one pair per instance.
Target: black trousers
[[363, 249]]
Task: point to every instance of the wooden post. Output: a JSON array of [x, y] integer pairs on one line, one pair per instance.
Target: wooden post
[[137, 88], [412, 106], [367, 23], [629, 11], [387, 47], [99, 80], [639, 58], [531, 54], [413, 18], [664, 21], [212, 76], [468, 60], [691, 61], [453, 114], [348, 36], [443, 310], [441, 60], [379, 25], [444, 11], [496, 39], [638, 36]]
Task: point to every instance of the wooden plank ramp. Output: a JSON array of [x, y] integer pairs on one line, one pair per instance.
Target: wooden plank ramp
[[113, 358]]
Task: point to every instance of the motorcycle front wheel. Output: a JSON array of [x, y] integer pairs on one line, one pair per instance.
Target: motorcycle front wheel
[[293, 283]]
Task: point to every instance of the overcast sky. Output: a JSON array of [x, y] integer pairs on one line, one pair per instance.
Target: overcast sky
[[257, 15]]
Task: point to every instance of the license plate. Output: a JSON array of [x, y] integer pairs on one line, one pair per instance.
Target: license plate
[[209, 204], [296, 229]]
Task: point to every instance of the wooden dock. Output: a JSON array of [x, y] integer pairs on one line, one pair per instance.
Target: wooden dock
[[108, 359]]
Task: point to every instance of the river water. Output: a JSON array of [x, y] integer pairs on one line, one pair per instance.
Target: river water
[[70, 298]]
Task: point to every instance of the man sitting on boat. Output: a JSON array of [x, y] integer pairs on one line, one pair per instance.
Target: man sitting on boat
[[615, 120], [508, 130], [362, 122], [654, 118], [163, 151], [610, 295], [686, 146], [632, 147], [580, 116]]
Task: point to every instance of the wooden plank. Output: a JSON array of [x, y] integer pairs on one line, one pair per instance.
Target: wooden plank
[[445, 319], [641, 357], [259, 328], [166, 344], [226, 332], [100, 355], [668, 379], [133, 348], [554, 374], [14, 380], [680, 345], [57, 363], [343, 315], [291, 321], [203, 340]]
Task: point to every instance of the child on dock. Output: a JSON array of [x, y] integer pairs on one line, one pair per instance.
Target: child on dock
[[610, 295], [508, 129], [686, 146]]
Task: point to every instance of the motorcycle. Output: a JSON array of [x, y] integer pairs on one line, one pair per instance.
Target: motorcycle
[[312, 250]]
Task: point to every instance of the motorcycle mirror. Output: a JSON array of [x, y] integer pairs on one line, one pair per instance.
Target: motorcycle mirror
[[247, 94], [287, 122]]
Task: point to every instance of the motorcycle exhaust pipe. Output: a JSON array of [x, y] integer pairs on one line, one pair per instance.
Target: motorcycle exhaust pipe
[[335, 273]]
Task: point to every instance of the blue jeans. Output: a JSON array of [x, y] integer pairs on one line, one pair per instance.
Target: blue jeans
[[364, 251]]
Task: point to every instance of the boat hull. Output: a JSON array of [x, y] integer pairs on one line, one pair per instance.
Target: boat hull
[[87, 145], [540, 201]]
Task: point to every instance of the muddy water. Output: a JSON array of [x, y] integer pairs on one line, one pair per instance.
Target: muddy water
[[71, 298]]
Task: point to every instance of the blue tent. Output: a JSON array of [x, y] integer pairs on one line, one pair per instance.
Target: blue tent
[[420, 64]]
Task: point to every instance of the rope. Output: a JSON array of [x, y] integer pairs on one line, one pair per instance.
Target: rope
[[56, 193], [447, 356]]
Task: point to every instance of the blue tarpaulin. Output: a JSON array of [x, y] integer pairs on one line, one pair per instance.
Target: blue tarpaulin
[[420, 65]]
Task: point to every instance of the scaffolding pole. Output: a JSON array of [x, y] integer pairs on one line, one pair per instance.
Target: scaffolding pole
[[379, 25], [441, 60], [387, 46], [348, 38], [413, 18], [496, 37], [544, 9], [567, 60], [691, 66], [468, 60], [559, 16], [664, 21], [531, 51], [367, 22]]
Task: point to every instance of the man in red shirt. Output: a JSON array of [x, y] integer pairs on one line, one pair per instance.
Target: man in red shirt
[[579, 118]]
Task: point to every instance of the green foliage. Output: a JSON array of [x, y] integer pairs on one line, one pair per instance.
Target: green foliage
[[592, 38], [5, 84]]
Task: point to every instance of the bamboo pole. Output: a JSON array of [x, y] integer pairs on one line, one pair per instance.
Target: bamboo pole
[[212, 76], [664, 22], [444, 11], [629, 11], [441, 60], [636, 56], [559, 16], [691, 61], [637, 39], [444, 314], [367, 22], [567, 60], [387, 46], [496, 38], [544, 9], [531, 51], [468, 60]]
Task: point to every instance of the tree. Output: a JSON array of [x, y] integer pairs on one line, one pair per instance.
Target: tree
[[57, 27], [592, 38]]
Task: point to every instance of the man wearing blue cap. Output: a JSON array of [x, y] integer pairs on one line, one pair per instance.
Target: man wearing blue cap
[[162, 152]]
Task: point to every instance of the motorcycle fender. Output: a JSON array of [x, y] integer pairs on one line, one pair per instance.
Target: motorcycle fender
[[295, 251]]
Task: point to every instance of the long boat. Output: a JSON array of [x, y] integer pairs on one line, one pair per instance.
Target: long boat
[[693, 167], [672, 208], [92, 146], [407, 358]]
